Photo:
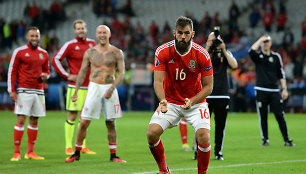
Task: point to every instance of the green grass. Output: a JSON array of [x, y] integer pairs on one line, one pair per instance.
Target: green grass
[[242, 150]]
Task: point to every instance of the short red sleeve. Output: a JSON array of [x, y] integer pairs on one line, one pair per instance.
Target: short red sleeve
[[160, 60]]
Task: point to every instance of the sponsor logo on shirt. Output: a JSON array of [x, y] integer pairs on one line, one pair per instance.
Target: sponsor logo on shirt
[[207, 68], [156, 62], [41, 56]]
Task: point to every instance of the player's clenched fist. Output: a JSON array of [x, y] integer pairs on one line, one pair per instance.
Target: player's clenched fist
[[187, 104], [162, 106]]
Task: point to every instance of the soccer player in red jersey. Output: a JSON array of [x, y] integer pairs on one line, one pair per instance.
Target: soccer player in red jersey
[[73, 51], [183, 78], [29, 67]]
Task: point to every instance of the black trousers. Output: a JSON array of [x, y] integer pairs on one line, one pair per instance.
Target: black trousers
[[274, 100], [220, 107]]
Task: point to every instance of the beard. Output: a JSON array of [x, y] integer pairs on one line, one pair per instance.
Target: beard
[[33, 46], [182, 46]]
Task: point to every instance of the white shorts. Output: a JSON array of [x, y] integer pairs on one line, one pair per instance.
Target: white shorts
[[95, 102], [197, 116], [30, 105]]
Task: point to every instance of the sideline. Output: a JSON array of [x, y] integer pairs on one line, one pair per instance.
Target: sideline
[[226, 166]]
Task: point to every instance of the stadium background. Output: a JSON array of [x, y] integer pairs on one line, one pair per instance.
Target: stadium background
[[139, 26]]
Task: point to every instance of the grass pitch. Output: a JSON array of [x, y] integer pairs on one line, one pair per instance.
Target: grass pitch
[[242, 149]]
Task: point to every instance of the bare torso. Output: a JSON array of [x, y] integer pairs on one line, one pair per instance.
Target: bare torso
[[103, 64]]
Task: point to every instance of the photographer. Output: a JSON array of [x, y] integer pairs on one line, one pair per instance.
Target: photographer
[[218, 101]]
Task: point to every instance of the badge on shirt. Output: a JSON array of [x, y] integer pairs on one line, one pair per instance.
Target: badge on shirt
[[271, 59], [41, 56], [156, 62], [261, 56], [192, 65]]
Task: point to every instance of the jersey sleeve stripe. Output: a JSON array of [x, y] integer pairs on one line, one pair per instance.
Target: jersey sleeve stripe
[[166, 45], [40, 49], [9, 74], [58, 57], [202, 50], [281, 64]]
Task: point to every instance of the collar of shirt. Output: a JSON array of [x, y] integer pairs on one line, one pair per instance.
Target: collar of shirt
[[29, 46], [80, 40]]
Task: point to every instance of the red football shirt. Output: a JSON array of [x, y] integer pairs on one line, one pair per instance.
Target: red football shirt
[[26, 66], [73, 51], [182, 72]]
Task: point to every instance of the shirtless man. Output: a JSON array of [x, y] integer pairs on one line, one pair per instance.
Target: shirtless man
[[103, 60]]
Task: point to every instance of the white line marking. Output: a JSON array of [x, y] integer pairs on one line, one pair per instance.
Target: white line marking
[[226, 166]]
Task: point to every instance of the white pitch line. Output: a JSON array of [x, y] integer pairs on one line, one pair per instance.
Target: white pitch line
[[226, 166]]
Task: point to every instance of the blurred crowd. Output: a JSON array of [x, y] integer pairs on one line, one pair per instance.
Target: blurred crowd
[[139, 42]]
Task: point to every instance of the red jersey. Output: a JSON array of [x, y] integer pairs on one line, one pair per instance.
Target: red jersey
[[26, 66], [182, 72], [73, 51]]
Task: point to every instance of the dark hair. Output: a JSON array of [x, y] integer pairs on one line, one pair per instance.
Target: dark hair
[[31, 28], [183, 21]]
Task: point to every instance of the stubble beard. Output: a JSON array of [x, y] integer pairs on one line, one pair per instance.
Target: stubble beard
[[34, 46]]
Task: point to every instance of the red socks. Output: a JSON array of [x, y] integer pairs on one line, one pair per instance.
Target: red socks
[[32, 137], [203, 157], [112, 147], [158, 152], [183, 130], [18, 133], [78, 146]]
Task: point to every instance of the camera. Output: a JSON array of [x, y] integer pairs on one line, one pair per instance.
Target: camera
[[216, 42]]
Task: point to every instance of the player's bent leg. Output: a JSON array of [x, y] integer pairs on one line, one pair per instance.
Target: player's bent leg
[[204, 150], [156, 146]]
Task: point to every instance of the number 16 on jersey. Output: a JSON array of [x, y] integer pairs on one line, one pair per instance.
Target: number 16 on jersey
[[180, 75]]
